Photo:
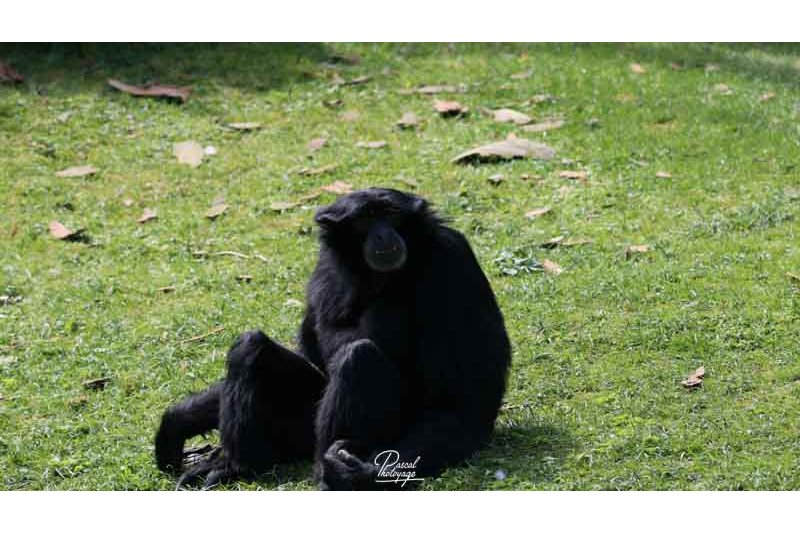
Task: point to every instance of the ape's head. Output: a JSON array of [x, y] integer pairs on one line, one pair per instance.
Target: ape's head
[[377, 224]]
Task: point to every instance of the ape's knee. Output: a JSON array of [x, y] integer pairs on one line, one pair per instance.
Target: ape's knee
[[246, 349], [361, 356]]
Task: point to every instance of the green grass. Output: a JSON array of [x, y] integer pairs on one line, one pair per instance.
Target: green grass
[[594, 396]]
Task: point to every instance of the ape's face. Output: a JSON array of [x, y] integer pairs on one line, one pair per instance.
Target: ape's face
[[374, 221]]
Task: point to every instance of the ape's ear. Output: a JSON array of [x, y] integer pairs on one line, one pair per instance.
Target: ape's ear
[[330, 215]]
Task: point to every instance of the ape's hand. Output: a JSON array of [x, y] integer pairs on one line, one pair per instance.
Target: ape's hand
[[341, 470]]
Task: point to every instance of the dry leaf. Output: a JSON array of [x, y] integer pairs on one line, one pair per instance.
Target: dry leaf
[[407, 181], [317, 171], [536, 213], [695, 379], [333, 104], [496, 179], [9, 75], [153, 90], [347, 59], [408, 120], [247, 278], [766, 97], [711, 67], [350, 116], [573, 174], [76, 172], [244, 126], [147, 214], [576, 242], [552, 243], [541, 98], [792, 276], [509, 115], [283, 206], [449, 108], [551, 267], [189, 153], [636, 249], [127, 202], [317, 143], [636, 68], [511, 148], [663, 174], [522, 75], [165, 290], [676, 66], [355, 81], [338, 187], [723, 88], [62, 233], [434, 89], [545, 125], [371, 144], [97, 384], [216, 210]]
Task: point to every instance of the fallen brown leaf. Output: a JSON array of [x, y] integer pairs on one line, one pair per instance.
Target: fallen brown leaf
[[792, 276], [636, 249], [541, 98], [552, 243], [9, 75], [545, 125], [244, 126], [76, 172], [449, 108], [663, 174], [636, 68], [153, 90], [766, 97], [354, 81], [434, 89], [62, 233], [551, 267], [189, 153], [522, 75], [509, 115], [496, 179], [350, 116], [676, 66], [723, 88], [573, 174], [407, 121], [317, 171], [147, 214], [165, 290], [510, 148], [247, 278], [576, 242], [347, 59], [536, 213], [338, 187], [411, 182], [317, 143], [216, 210], [695, 379], [127, 202], [333, 104], [97, 384], [371, 144]]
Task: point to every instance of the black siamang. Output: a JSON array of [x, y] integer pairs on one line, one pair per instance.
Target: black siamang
[[402, 350]]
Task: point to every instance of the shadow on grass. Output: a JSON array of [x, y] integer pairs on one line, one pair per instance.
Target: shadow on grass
[[78, 67]]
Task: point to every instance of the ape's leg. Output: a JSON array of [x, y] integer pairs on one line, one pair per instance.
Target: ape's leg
[[266, 411], [363, 405], [197, 414]]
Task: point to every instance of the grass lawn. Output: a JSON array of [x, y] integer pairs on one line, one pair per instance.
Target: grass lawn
[[595, 399]]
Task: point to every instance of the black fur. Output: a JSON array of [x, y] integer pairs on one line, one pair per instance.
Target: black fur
[[411, 358]]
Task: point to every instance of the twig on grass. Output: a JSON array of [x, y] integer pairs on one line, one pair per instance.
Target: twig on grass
[[203, 336]]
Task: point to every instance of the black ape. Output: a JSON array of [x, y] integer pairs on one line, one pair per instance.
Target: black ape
[[402, 348]]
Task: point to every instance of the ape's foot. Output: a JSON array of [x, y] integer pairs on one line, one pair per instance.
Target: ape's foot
[[339, 469], [209, 474]]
